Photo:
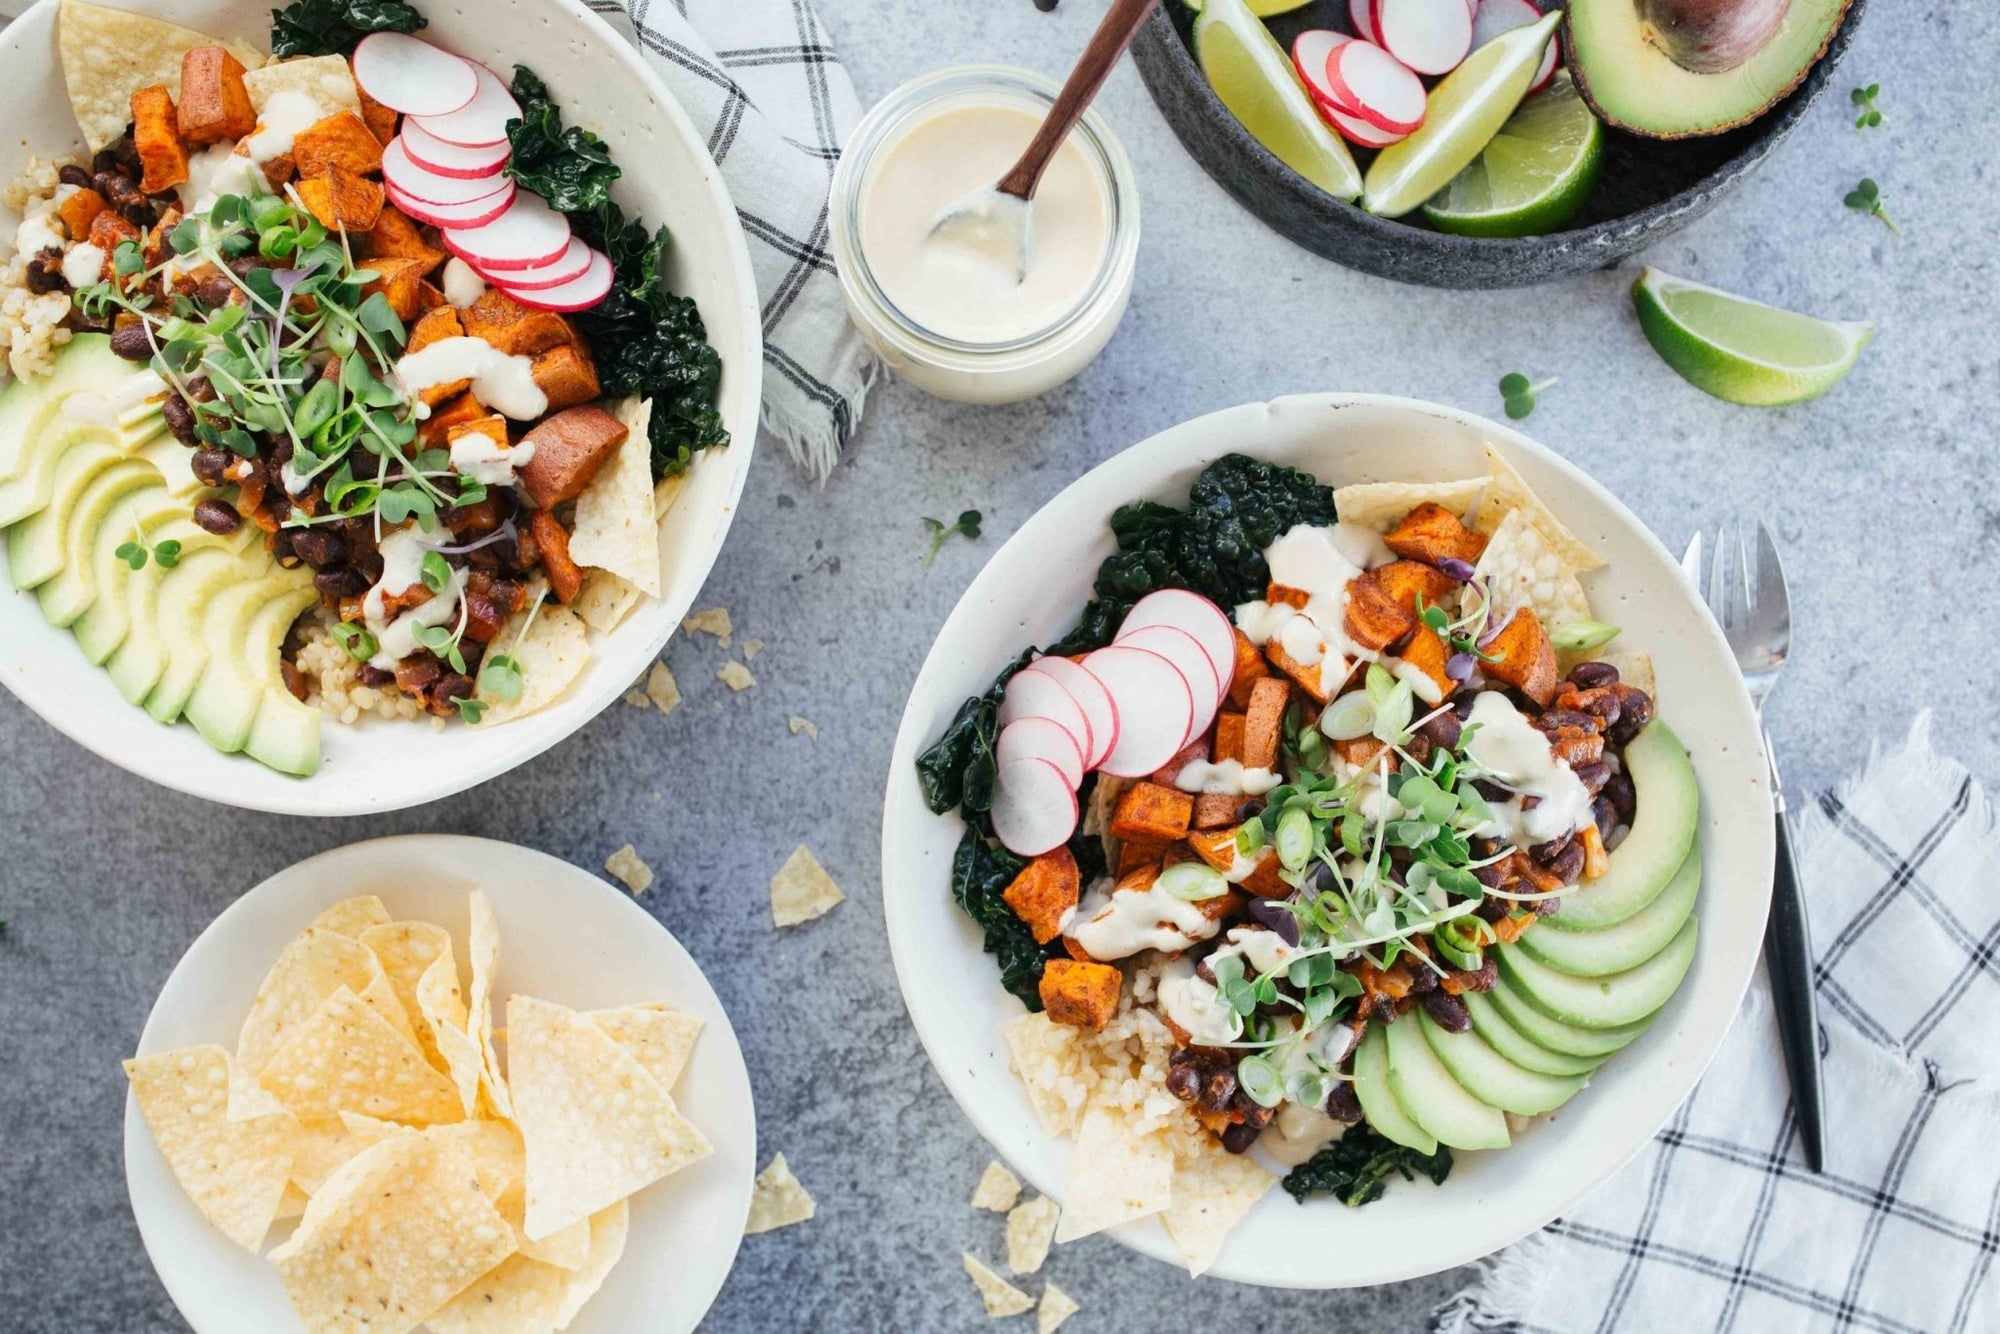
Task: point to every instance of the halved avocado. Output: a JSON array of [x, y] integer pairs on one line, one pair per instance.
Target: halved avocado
[[1671, 69]]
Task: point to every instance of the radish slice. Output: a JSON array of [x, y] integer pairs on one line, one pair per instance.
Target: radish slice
[[1041, 739], [434, 154], [423, 183], [1034, 807], [528, 235], [1311, 50], [1497, 16], [475, 214], [1180, 648], [1372, 85], [1194, 615], [580, 293], [1092, 698], [1155, 708], [1033, 693], [409, 75], [567, 267], [1356, 130], [481, 122], [1361, 14], [1430, 36]]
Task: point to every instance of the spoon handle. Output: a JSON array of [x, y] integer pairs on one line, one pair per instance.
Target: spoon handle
[[1113, 35]]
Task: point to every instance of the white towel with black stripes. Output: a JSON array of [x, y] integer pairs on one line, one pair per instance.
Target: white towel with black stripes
[[1718, 1224]]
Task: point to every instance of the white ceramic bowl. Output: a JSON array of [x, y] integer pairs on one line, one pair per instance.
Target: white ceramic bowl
[[565, 936], [1031, 593], [669, 179]]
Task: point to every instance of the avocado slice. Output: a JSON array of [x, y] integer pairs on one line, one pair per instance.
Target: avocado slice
[[224, 705], [285, 735], [141, 657], [1436, 1101], [171, 645], [1491, 1077], [35, 544], [1618, 948], [68, 593], [1659, 842], [1555, 1035], [102, 628], [1671, 69], [1378, 1101], [1503, 1037], [1597, 1003], [30, 408]]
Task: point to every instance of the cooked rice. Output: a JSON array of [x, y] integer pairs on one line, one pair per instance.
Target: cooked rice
[[333, 679], [30, 322]]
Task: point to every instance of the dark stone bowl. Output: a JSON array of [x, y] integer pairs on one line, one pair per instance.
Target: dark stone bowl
[[1649, 188]]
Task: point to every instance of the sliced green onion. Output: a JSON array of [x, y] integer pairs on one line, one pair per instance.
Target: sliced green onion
[[1193, 881], [1392, 715], [1259, 1078], [1294, 839], [1308, 1088], [1458, 944], [1581, 636], [1249, 838], [1349, 718]]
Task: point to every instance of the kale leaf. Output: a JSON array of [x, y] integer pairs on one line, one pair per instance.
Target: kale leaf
[[958, 770], [980, 873], [336, 27], [571, 168], [1355, 1168]]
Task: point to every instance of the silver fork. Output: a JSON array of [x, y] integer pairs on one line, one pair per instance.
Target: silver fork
[[1746, 594]]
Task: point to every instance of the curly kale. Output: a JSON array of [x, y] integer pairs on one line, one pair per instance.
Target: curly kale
[[336, 27], [571, 168], [980, 873], [959, 768], [1355, 1168]]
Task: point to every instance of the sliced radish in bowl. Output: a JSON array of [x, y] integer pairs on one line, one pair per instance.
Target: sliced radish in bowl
[[1194, 615], [1041, 739], [448, 216], [1372, 85], [482, 121], [446, 159], [580, 293], [1034, 807], [399, 170], [1361, 13], [1179, 648], [527, 235], [567, 267], [1033, 693], [1494, 17], [1155, 708], [1092, 698], [1430, 36], [1311, 50], [1356, 130], [409, 75]]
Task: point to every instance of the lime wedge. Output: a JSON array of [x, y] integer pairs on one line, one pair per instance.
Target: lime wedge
[[1254, 78], [1533, 177], [1743, 351], [1263, 9], [1465, 111]]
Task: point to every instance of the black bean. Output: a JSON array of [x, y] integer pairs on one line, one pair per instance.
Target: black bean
[[1448, 1010], [320, 547], [1603, 704], [450, 686], [340, 581], [1255, 1114], [1493, 792], [45, 272], [1567, 863], [180, 419], [200, 390], [1591, 675], [217, 516], [1490, 910], [1635, 710], [1624, 798], [1593, 776], [1555, 718], [1218, 1091], [1443, 730], [71, 174], [1605, 816], [1183, 1081], [1250, 809], [1342, 1105], [132, 343], [209, 465], [1238, 1138], [281, 540], [216, 291], [373, 676], [1462, 702]]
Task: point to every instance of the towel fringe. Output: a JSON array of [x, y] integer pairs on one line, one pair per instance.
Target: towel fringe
[[1504, 1293], [814, 441]]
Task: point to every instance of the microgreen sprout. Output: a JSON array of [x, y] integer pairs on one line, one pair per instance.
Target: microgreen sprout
[[135, 553], [967, 524], [1866, 198], [1518, 393], [1864, 98]]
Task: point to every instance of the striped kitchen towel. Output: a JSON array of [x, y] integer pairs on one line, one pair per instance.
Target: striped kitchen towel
[[1718, 1225]]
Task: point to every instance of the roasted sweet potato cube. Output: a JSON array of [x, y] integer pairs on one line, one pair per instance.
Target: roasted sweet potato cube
[[552, 541], [156, 134], [1318, 679], [1276, 594], [435, 396], [566, 376], [1373, 619], [569, 449], [1229, 736], [434, 327], [278, 170], [1217, 847], [1250, 669], [1264, 881], [1428, 654], [1151, 811], [396, 236], [1044, 892], [401, 281], [1222, 906], [429, 297], [1137, 857], [215, 104], [1524, 658], [341, 200], [1408, 580], [1169, 774], [1264, 722], [1213, 810], [1432, 533], [435, 430], [80, 210], [380, 120], [492, 426], [341, 140], [1360, 751], [109, 230], [512, 327], [1596, 861], [1082, 995]]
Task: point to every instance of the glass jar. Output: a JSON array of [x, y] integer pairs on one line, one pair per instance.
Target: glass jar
[[951, 367]]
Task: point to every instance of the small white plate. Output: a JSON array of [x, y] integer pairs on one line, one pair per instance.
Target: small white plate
[[565, 936], [1032, 591]]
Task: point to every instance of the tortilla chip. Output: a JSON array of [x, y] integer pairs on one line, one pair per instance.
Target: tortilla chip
[[751, 648], [1119, 1172], [736, 676], [710, 621], [109, 54], [406, 951], [347, 1057], [495, 1146], [603, 600], [614, 527], [607, 1243], [665, 494], [396, 1233], [1056, 1306], [1000, 1297], [350, 917], [1213, 1191], [630, 869], [235, 1171], [1635, 668], [777, 1200], [485, 951], [662, 689], [596, 1126], [521, 1295], [566, 1248], [657, 1038], [636, 699], [998, 1190], [293, 1205], [1506, 492], [448, 1028], [802, 890], [1382, 505], [553, 654], [1041, 1052], [1521, 569], [317, 963], [325, 1145], [1031, 1230], [327, 80], [806, 725]]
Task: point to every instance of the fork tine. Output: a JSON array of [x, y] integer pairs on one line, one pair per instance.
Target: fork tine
[[1718, 578], [1745, 597], [1774, 601]]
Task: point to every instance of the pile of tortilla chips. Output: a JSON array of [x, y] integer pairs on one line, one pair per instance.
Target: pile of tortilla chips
[[366, 1098]]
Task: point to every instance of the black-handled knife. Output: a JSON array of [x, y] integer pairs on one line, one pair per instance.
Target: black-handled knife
[[1788, 954]]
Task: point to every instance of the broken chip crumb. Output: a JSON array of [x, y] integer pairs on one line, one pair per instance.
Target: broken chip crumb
[[713, 621], [751, 648], [1001, 1297], [662, 689], [626, 865], [998, 1189], [1057, 1306], [1031, 1229], [777, 1200], [806, 725], [736, 676], [637, 699], [802, 890]]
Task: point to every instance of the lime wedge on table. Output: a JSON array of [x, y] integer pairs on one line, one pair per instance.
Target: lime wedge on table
[[1254, 78], [1743, 351], [1533, 177], [1463, 114]]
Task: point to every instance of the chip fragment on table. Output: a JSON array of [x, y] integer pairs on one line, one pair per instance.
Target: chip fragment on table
[[802, 890], [777, 1199]]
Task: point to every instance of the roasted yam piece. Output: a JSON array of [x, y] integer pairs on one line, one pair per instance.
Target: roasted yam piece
[[1044, 892], [380, 120], [513, 328], [1428, 654], [569, 449], [436, 326], [1169, 773], [1217, 847], [1524, 658], [1432, 534], [395, 236], [80, 210], [552, 541], [1318, 679], [1250, 669], [566, 376], [1264, 722], [1361, 751], [1140, 855], [435, 430], [1214, 810], [1082, 995], [489, 601], [156, 134], [1229, 730], [493, 427], [215, 104], [401, 281], [109, 230], [1278, 594], [1374, 619], [341, 140], [1149, 811], [341, 200], [1408, 580]]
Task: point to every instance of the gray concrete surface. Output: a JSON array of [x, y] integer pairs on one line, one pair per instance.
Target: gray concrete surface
[[1883, 494]]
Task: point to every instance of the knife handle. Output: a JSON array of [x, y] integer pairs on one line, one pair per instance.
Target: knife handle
[[1788, 954]]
